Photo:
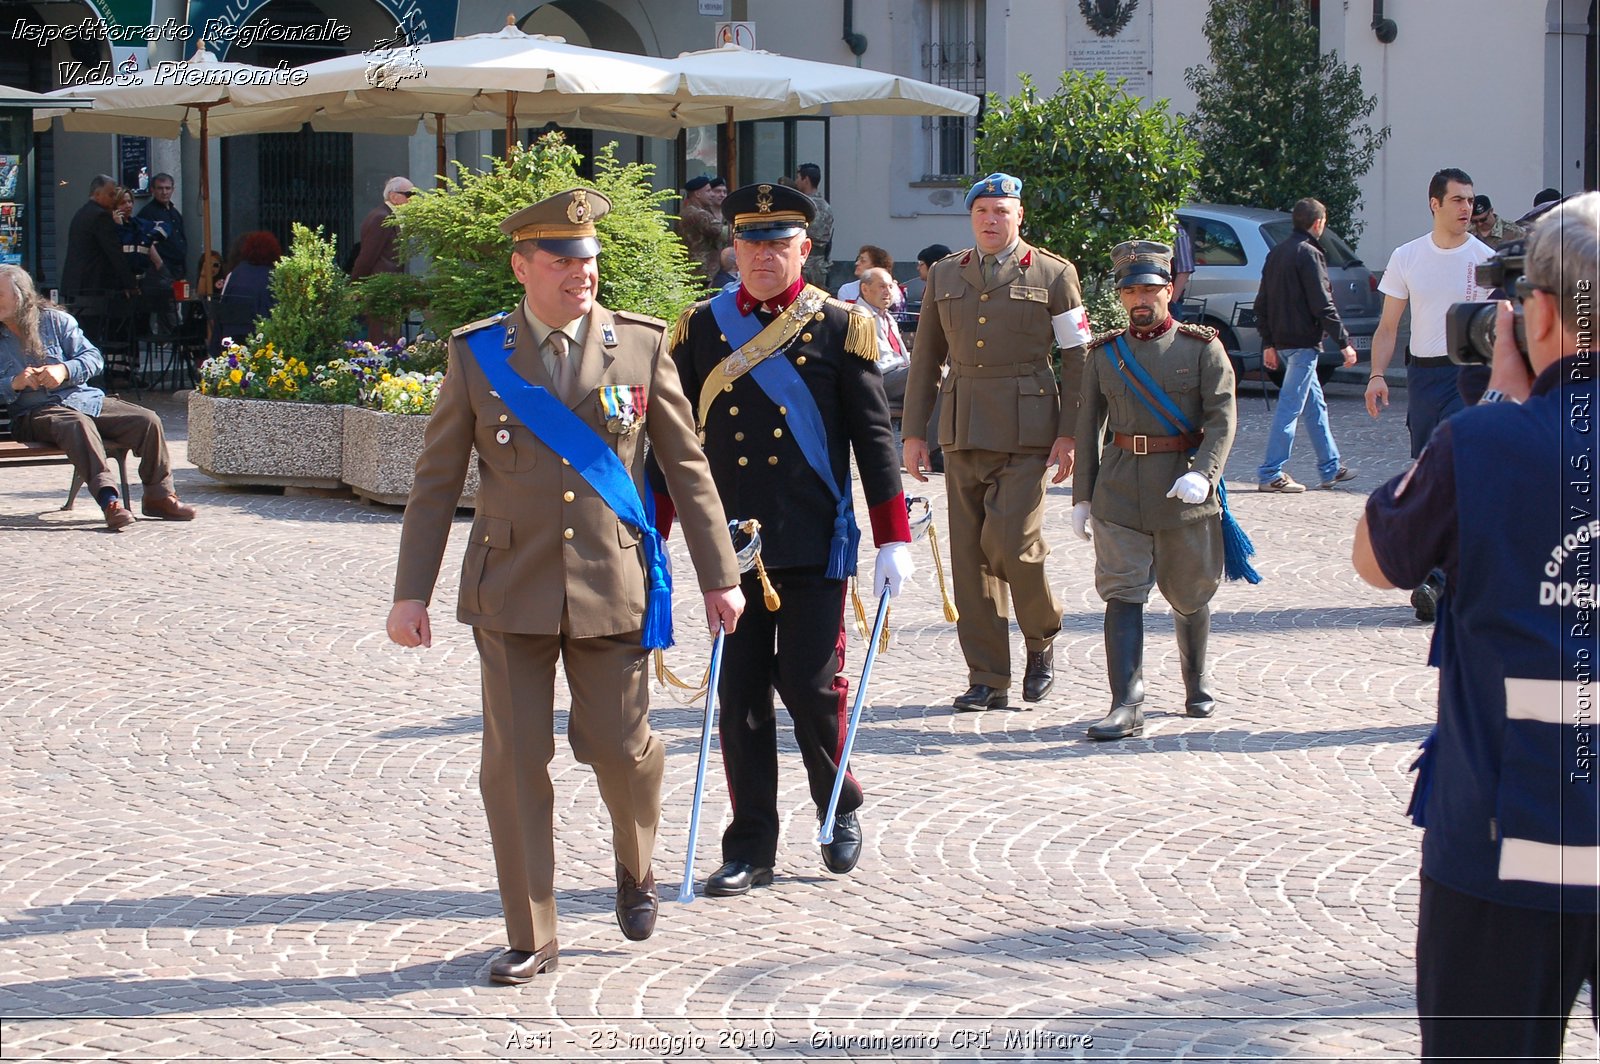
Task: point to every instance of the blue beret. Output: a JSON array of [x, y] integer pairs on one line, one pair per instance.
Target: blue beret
[[1003, 185]]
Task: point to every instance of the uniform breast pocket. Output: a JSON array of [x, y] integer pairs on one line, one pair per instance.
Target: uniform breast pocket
[[503, 444], [482, 580], [1038, 412]]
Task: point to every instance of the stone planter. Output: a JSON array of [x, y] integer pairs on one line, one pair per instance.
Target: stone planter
[[256, 441], [380, 456]]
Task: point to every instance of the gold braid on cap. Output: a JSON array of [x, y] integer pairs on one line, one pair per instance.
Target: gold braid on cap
[[767, 220], [553, 231]]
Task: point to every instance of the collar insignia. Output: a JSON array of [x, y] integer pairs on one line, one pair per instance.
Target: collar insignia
[[608, 335], [511, 337]]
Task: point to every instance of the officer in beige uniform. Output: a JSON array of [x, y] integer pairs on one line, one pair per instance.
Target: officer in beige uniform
[[1150, 500], [991, 313], [552, 571]]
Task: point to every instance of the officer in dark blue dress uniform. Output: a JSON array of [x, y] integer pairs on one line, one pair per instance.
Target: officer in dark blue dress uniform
[[785, 330]]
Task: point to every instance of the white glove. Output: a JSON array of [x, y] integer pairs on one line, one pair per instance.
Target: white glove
[[1190, 488], [1080, 521], [894, 567]]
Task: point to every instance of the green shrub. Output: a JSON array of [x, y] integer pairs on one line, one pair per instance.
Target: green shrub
[[456, 228], [314, 309]]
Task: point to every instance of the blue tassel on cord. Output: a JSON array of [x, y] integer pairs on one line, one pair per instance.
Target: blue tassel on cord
[[658, 596], [843, 547], [1423, 767], [1237, 550]]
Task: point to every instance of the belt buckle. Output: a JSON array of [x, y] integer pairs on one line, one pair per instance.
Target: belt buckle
[[1141, 445]]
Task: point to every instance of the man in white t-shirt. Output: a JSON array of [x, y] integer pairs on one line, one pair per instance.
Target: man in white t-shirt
[[1428, 274]]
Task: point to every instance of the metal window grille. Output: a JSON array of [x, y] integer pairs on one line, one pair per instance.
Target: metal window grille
[[953, 56]]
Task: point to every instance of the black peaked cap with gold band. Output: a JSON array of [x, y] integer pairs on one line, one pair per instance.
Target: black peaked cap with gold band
[[768, 212], [562, 224]]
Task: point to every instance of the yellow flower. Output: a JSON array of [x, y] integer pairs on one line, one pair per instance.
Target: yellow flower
[[236, 376]]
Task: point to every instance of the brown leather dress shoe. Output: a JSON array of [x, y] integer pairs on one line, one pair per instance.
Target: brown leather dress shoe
[[167, 508], [519, 966], [118, 516], [636, 904]]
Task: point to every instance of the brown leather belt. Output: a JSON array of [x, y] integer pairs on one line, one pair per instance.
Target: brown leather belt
[[1157, 444]]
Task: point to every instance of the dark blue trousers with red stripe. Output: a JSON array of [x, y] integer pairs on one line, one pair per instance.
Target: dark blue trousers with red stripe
[[799, 653]]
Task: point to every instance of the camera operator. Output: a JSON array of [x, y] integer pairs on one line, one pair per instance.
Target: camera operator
[[1503, 500]]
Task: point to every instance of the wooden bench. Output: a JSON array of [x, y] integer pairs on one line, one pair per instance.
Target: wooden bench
[[16, 453]]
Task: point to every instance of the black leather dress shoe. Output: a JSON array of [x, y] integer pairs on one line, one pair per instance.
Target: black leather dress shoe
[[980, 696], [841, 855], [519, 966], [735, 878], [1041, 675], [637, 903]]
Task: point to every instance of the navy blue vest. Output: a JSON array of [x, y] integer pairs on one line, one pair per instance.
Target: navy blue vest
[[1512, 802]]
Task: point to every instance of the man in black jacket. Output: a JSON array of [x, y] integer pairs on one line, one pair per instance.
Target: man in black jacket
[[1294, 308], [95, 264]]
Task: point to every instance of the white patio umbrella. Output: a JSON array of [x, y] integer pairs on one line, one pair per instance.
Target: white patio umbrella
[[481, 81], [165, 99]]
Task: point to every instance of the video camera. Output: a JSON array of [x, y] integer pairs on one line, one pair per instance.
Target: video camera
[[1469, 332]]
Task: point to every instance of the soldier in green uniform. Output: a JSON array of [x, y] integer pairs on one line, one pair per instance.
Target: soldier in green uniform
[[1156, 518], [991, 313]]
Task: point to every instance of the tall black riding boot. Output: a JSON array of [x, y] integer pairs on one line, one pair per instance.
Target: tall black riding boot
[[1194, 631], [1125, 670]]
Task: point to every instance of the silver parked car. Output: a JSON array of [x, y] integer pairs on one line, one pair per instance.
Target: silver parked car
[[1230, 246]]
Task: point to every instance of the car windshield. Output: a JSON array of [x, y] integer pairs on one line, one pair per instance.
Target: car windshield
[[1337, 251]]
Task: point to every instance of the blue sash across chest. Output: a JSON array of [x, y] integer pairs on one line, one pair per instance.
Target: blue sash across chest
[[595, 461], [780, 381]]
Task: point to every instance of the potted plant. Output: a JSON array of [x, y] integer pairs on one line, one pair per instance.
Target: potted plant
[[383, 435]]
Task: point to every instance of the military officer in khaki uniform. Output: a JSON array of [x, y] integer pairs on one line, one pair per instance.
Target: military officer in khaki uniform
[[1149, 501], [551, 571], [991, 313]]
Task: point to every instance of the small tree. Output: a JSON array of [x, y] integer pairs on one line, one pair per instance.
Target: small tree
[[1277, 120], [643, 267], [313, 309], [1098, 167]]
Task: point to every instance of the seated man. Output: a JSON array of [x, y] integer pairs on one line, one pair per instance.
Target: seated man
[[877, 294], [45, 366]]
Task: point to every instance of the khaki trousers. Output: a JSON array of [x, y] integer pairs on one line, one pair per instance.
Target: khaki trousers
[[84, 439], [1185, 562], [609, 729], [997, 542]]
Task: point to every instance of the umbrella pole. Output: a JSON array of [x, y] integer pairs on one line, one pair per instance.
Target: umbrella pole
[[511, 123], [731, 174], [207, 276], [438, 122]]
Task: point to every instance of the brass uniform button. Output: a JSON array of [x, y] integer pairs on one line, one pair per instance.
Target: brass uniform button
[[567, 496], [772, 460], [733, 411], [723, 337], [819, 315], [805, 338], [783, 410], [777, 434], [743, 460], [503, 417], [727, 387], [567, 533], [800, 361], [982, 320], [486, 539], [565, 462], [980, 343], [984, 298], [738, 437]]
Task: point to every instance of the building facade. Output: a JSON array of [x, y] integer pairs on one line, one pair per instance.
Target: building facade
[[1518, 124]]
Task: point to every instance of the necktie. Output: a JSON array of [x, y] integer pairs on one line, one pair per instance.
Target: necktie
[[563, 371], [986, 267]]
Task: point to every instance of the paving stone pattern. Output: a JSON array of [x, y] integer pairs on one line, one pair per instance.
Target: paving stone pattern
[[241, 825]]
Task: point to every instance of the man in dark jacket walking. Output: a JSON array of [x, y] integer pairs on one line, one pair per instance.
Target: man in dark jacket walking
[[1294, 308]]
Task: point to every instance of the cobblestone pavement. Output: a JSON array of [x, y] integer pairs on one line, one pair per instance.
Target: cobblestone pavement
[[239, 824]]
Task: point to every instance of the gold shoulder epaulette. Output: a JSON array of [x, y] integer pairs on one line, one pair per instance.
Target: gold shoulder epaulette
[[639, 319], [680, 329], [1106, 337], [1199, 332], [481, 323], [861, 332]]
